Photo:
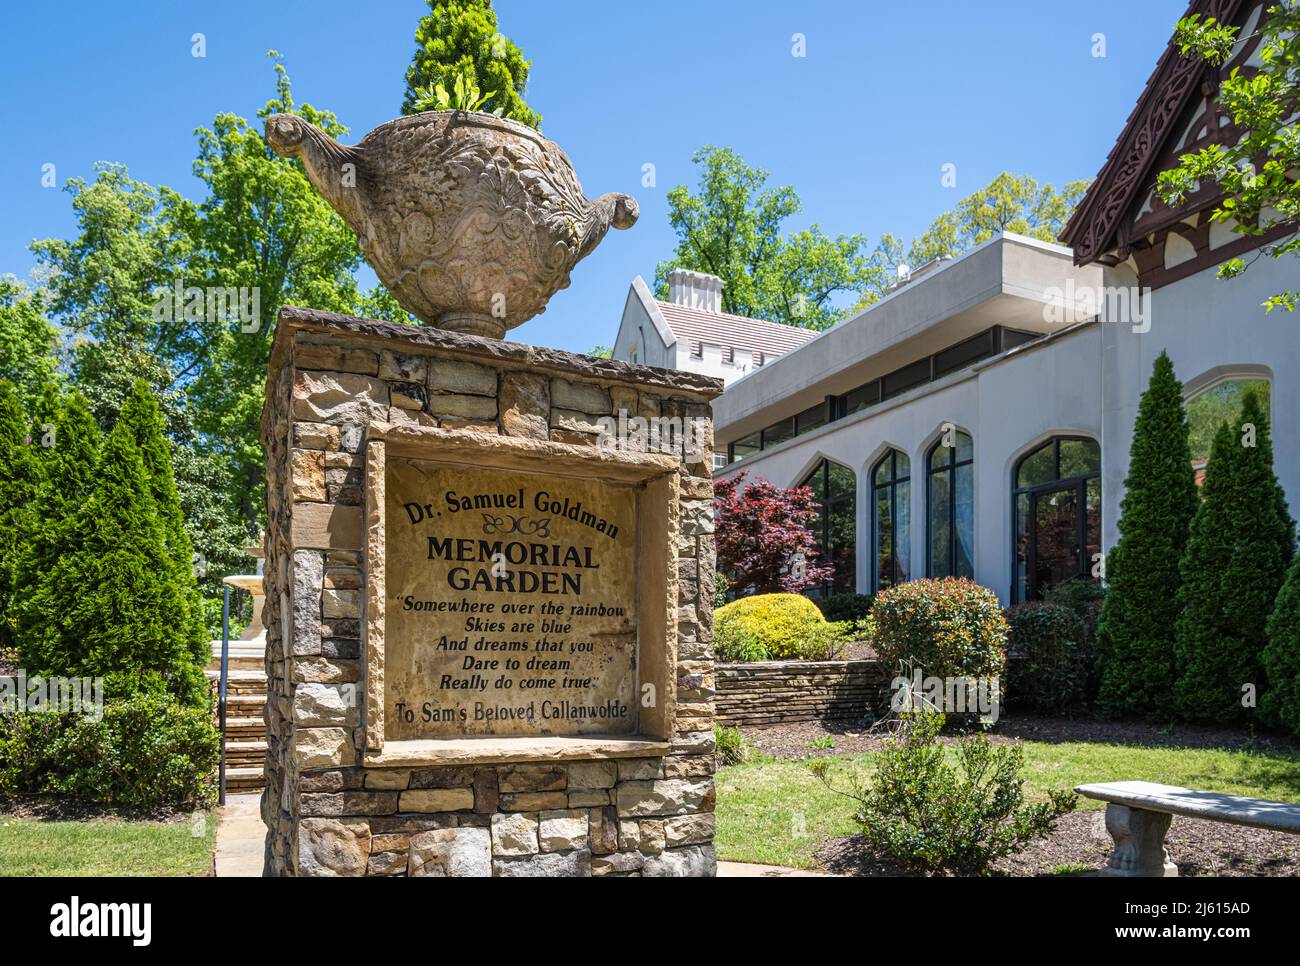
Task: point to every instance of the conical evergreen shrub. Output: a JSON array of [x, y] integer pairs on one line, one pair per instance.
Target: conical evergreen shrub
[[1281, 657], [1135, 636], [115, 602], [19, 475], [67, 476], [143, 418], [1237, 555]]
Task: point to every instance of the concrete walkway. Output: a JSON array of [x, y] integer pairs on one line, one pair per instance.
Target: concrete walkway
[[241, 837], [752, 870]]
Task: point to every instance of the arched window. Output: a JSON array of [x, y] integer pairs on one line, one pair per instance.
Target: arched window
[[891, 520], [835, 490], [1220, 403], [950, 507], [1057, 495]]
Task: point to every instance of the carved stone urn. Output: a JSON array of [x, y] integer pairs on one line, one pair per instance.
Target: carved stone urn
[[473, 222]]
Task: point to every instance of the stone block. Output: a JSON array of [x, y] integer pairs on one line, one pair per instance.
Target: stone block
[[322, 748], [327, 847], [671, 796], [514, 834], [452, 852], [525, 405], [325, 704], [339, 397], [436, 800], [560, 831], [481, 408], [581, 396], [457, 377]]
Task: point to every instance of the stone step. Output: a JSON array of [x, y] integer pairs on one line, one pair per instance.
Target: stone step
[[251, 662], [245, 779], [245, 705], [245, 729], [241, 682], [245, 753]]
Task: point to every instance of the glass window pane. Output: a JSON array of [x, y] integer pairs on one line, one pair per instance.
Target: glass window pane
[[817, 480], [903, 530], [940, 535], [1056, 546], [842, 482], [842, 526], [1092, 525], [965, 506], [778, 432], [862, 397], [1216, 405], [1021, 575], [939, 457], [744, 447], [811, 418], [1038, 467], [963, 353], [965, 448], [1079, 457], [881, 476], [884, 536], [902, 466], [903, 379]]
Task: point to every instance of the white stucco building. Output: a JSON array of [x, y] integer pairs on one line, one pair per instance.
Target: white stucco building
[[977, 421], [690, 331]]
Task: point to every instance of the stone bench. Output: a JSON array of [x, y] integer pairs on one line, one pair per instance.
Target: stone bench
[[1138, 816]]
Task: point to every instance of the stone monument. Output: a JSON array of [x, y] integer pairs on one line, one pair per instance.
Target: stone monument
[[490, 566]]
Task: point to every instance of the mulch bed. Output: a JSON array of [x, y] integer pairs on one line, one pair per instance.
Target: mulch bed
[[51, 809], [1197, 847]]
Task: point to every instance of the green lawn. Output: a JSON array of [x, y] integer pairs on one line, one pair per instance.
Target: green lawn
[[105, 847], [774, 811]]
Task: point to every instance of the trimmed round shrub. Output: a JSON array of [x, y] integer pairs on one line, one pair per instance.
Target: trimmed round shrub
[[146, 751], [846, 607], [1048, 668], [951, 627], [772, 627]]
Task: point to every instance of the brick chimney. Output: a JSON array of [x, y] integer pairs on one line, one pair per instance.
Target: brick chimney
[[695, 290]]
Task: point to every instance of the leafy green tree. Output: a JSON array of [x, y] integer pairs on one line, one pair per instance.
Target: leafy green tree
[[134, 241], [731, 228], [113, 606], [1281, 657], [1135, 638], [28, 341], [263, 227], [459, 39], [19, 475], [1263, 101], [1240, 545]]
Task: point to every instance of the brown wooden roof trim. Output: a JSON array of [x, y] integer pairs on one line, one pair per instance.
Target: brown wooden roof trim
[[1093, 228]]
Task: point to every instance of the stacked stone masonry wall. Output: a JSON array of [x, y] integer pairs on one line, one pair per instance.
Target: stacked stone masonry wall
[[326, 814]]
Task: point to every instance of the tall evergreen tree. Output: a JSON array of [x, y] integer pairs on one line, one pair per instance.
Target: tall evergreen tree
[[67, 473], [114, 606], [19, 474], [1135, 639], [1281, 657], [1240, 545], [461, 37], [142, 417]]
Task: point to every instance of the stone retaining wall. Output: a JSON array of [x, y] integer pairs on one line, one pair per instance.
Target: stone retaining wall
[[780, 692]]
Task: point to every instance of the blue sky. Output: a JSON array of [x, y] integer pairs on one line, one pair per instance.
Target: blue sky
[[861, 126]]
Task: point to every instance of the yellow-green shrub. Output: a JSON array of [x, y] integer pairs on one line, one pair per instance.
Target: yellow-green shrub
[[773, 627]]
